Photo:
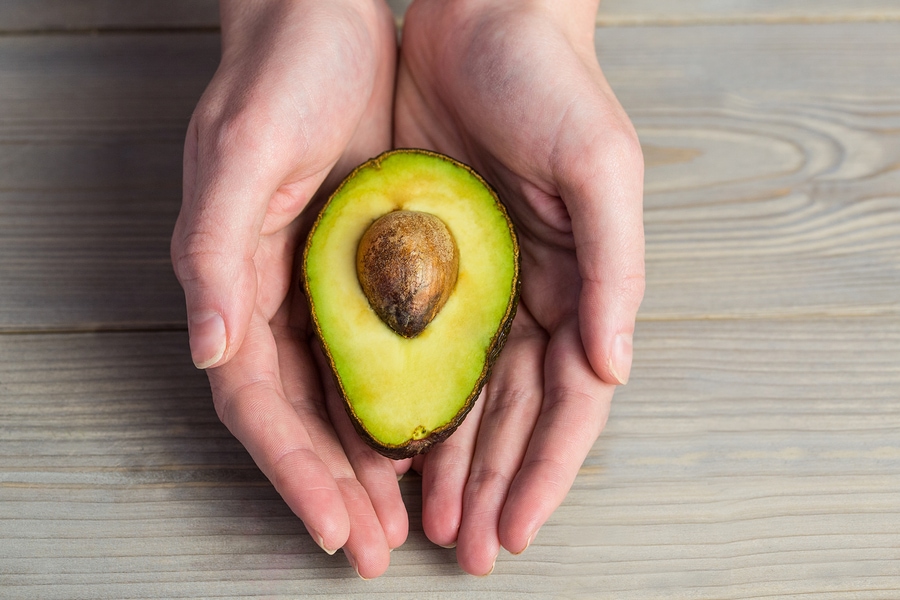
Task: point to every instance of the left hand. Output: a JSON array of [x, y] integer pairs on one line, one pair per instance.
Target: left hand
[[303, 93], [515, 90]]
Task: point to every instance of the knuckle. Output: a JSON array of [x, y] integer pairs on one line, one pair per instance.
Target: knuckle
[[234, 130], [245, 126], [283, 465], [617, 151], [632, 287], [487, 481], [609, 146], [194, 255], [624, 140], [553, 473], [243, 406]]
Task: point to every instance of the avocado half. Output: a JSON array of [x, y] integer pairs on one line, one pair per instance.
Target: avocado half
[[406, 391]]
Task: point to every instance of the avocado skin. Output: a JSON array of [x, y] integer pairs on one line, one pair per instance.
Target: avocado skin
[[414, 447]]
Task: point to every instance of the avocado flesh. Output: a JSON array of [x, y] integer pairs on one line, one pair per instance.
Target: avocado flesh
[[405, 394]]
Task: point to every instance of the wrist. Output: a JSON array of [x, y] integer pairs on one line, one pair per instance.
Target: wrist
[[243, 19], [581, 11], [576, 19]]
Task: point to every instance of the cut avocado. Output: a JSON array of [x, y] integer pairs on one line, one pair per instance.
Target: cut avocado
[[412, 275]]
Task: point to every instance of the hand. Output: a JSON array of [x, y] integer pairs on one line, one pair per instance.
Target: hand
[[515, 90], [303, 93]]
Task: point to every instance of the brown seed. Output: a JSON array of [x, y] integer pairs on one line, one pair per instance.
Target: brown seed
[[407, 264]]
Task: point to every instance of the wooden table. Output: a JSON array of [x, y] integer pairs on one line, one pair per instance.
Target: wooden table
[[755, 453]]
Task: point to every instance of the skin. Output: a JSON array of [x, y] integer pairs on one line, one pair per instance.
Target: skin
[[515, 90], [304, 93]]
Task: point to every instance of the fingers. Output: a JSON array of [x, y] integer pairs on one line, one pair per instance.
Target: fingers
[[229, 180], [286, 430], [369, 490], [542, 411], [401, 467], [512, 402], [445, 470], [251, 402], [215, 239], [285, 105], [377, 474], [575, 409], [601, 182]]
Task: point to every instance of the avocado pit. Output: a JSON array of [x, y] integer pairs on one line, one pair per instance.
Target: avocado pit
[[407, 264]]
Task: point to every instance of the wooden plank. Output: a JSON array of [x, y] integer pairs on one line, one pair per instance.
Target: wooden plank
[[40, 15], [88, 260], [772, 166], [755, 456], [65, 15], [722, 12], [78, 87], [399, 8], [768, 193], [91, 137], [745, 459]]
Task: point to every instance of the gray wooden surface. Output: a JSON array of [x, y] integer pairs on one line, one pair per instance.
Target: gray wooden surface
[[755, 453]]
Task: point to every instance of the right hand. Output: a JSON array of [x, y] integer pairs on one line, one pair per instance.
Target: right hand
[[303, 93], [514, 88]]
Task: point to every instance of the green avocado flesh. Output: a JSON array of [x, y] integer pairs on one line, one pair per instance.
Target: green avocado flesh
[[405, 394]]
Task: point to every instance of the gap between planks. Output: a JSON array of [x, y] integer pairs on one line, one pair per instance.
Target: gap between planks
[[87, 329], [95, 31], [602, 21], [799, 315], [775, 315], [742, 19]]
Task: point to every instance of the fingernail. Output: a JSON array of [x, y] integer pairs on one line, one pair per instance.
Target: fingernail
[[494, 564], [448, 546], [527, 543], [207, 333], [620, 361], [352, 560], [321, 542]]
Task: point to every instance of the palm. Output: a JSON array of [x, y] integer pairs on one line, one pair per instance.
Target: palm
[[506, 130], [509, 95], [285, 117]]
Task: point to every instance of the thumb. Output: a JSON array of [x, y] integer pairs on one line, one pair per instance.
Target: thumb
[[604, 195], [213, 244]]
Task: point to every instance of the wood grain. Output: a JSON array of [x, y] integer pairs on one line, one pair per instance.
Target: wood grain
[[27, 16], [90, 142], [746, 459], [764, 198], [729, 12], [754, 454], [43, 15], [32, 16]]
